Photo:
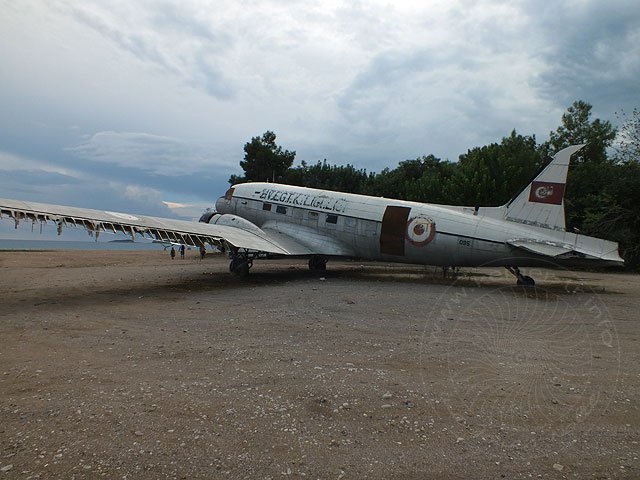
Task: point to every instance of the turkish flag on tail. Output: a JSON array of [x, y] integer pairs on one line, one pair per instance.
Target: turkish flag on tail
[[546, 192]]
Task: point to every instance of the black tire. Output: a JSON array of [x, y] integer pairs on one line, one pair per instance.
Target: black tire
[[243, 269], [317, 263], [527, 281], [239, 266]]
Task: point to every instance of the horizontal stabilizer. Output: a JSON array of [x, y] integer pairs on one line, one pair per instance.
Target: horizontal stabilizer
[[548, 249], [581, 247]]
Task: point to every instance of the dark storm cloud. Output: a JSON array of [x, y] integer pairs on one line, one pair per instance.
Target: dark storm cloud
[[85, 191], [145, 152], [163, 163], [33, 184], [593, 53], [501, 66]]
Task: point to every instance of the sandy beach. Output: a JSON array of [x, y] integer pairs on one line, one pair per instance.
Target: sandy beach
[[131, 365]]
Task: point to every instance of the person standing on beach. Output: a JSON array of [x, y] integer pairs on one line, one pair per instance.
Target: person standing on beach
[[182, 251], [173, 253], [203, 252]]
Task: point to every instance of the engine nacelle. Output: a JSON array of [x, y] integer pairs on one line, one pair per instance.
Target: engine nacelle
[[207, 216], [232, 221]]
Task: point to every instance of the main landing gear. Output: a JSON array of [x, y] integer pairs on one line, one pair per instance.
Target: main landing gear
[[240, 263], [317, 263], [524, 280]]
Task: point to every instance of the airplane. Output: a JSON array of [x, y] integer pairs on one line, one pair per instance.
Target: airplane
[[266, 220]]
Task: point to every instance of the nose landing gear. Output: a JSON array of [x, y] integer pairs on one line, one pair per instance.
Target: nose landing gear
[[524, 280]]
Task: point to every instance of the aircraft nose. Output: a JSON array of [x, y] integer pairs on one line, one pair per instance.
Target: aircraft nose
[[222, 205]]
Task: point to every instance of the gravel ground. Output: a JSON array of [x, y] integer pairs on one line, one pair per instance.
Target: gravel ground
[[130, 365]]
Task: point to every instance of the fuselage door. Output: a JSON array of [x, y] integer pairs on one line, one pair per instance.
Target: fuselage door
[[394, 225]]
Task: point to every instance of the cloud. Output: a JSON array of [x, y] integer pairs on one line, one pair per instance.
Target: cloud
[[28, 179], [11, 162], [594, 55], [143, 151], [469, 72], [175, 38], [188, 210], [164, 94]]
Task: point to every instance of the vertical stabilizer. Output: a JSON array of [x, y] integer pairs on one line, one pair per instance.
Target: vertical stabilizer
[[541, 203]]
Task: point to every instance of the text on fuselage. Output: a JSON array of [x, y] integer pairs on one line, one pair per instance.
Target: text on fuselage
[[321, 202]]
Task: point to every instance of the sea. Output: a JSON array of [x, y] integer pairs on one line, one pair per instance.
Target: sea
[[11, 244]]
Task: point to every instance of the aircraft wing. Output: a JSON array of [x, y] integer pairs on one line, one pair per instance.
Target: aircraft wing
[[156, 228], [301, 240]]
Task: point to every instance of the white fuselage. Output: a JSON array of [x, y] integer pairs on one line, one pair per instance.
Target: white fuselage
[[358, 226]]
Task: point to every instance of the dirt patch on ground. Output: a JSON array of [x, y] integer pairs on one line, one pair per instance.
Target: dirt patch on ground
[[130, 365]]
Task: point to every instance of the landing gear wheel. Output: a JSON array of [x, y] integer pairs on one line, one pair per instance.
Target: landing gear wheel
[[526, 281], [523, 280], [317, 263], [240, 266]]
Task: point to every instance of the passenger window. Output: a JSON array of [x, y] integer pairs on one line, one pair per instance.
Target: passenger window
[[281, 209], [332, 219], [266, 206]]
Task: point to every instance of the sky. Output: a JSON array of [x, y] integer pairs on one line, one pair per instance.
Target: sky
[[145, 106]]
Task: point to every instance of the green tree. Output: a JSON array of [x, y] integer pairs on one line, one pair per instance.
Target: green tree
[[628, 139], [418, 180], [578, 128], [492, 175], [590, 169], [264, 160], [426, 186], [342, 178], [613, 214]]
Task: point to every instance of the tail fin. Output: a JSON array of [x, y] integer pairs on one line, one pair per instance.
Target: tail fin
[[541, 203]]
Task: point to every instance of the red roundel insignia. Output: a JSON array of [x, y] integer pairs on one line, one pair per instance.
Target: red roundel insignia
[[546, 192], [420, 230]]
